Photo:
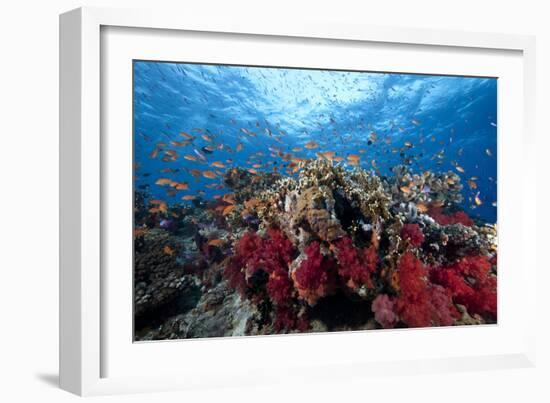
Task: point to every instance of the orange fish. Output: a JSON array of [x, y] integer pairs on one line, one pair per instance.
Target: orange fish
[[310, 145], [182, 186], [422, 207], [239, 147], [252, 171], [190, 157], [228, 209], [161, 206], [163, 181], [154, 153], [195, 172], [297, 149], [168, 250], [186, 135], [229, 198], [215, 242], [209, 174], [405, 189], [188, 197], [207, 138], [218, 164]]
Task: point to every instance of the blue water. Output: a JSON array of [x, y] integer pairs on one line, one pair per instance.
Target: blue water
[[445, 121]]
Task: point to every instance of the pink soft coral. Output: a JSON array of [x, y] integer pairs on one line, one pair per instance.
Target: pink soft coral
[[444, 312], [314, 278], [355, 266], [382, 307], [413, 234]]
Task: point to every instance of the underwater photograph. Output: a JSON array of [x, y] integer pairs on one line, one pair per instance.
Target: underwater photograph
[[276, 200]]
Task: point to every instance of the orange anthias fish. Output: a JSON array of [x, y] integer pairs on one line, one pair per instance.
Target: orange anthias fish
[[405, 189], [186, 135], [228, 209], [353, 159], [421, 207], [190, 157], [218, 164], [154, 153], [229, 198], [188, 197], [161, 206], [310, 145], [168, 250], [207, 138], [182, 186], [163, 181], [209, 174], [215, 242]]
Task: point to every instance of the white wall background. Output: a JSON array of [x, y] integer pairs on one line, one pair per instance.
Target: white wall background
[[29, 201]]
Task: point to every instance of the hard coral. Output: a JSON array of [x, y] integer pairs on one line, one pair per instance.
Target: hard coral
[[413, 234], [355, 266], [315, 277]]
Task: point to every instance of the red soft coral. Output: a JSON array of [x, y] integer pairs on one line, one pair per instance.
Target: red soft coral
[[470, 283], [413, 304], [287, 319], [458, 217], [235, 268], [271, 254], [413, 234], [355, 266], [314, 278]]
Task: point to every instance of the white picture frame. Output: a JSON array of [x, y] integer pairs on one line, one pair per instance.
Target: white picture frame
[[83, 307]]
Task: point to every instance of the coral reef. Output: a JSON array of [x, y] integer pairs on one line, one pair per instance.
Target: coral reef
[[282, 255]]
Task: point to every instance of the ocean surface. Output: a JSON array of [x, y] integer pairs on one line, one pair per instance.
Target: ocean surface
[[194, 121]]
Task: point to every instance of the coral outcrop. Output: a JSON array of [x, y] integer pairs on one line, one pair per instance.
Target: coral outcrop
[[282, 255]]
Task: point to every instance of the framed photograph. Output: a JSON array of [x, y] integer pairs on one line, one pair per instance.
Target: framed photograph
[[282, 202]]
